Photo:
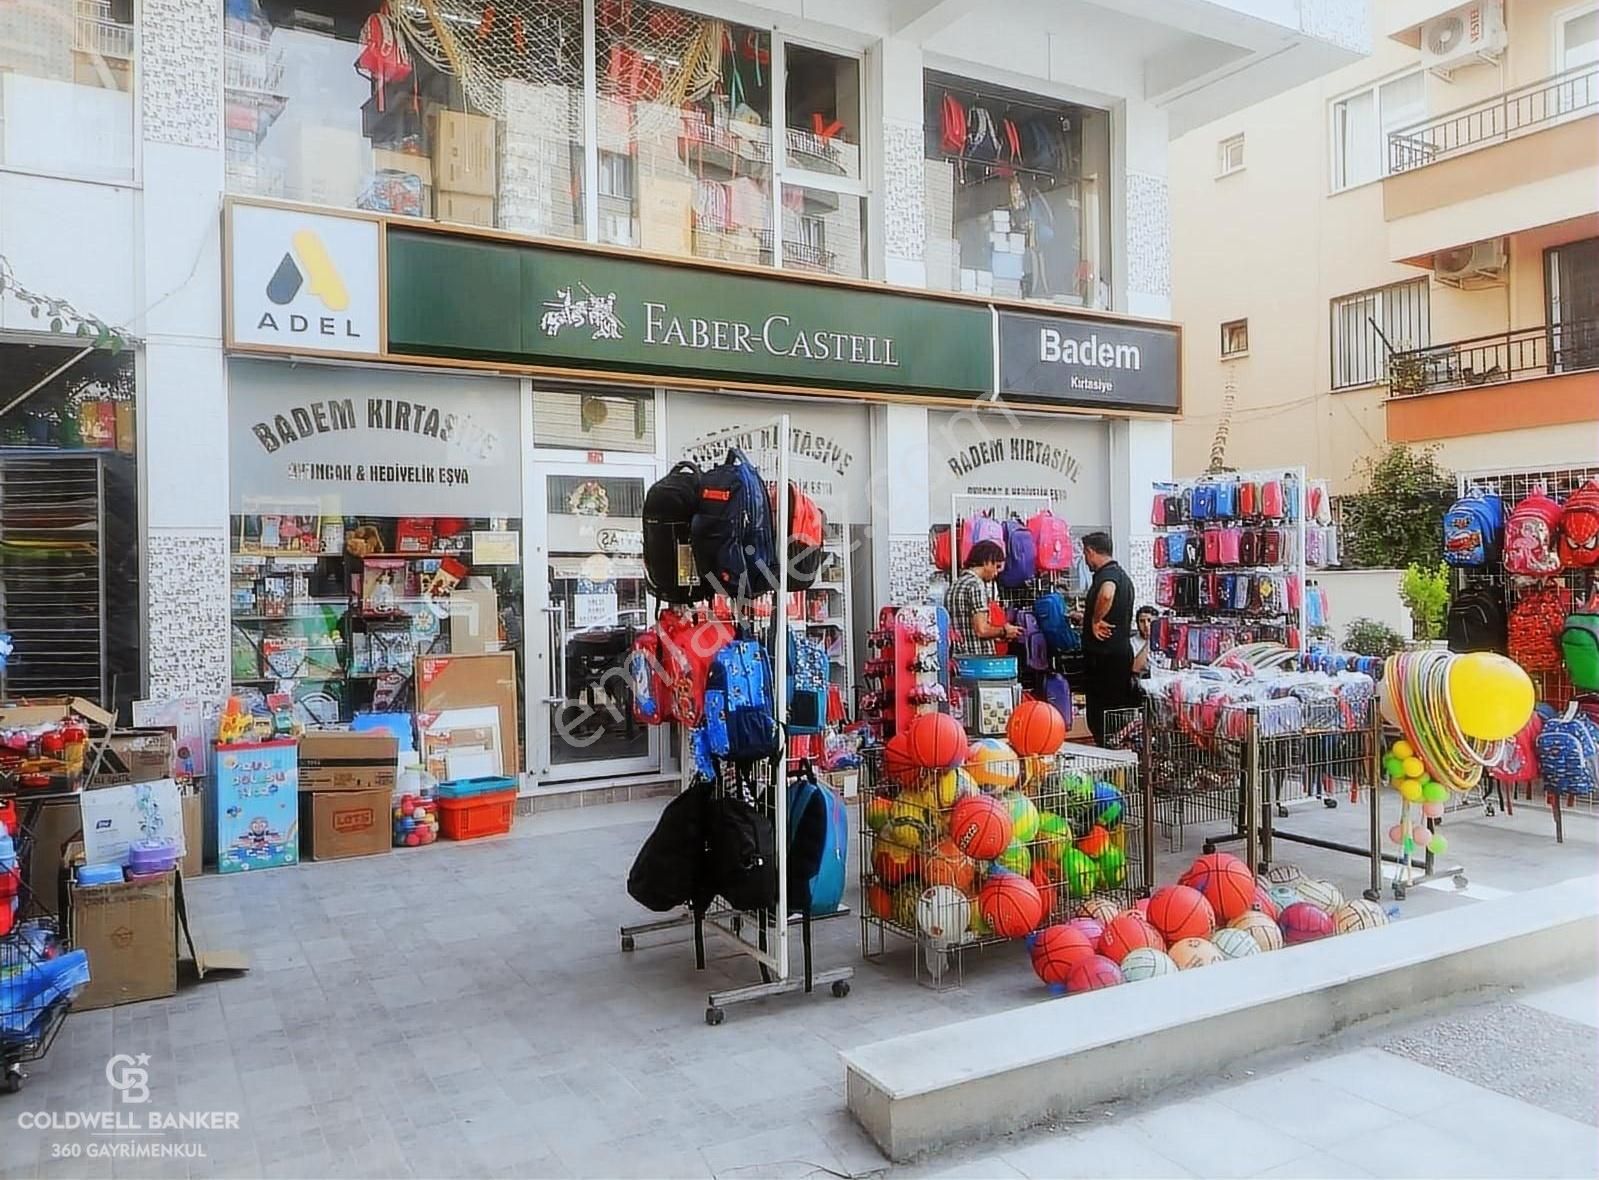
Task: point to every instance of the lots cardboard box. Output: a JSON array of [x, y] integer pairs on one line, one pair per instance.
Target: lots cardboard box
[[346, 790]]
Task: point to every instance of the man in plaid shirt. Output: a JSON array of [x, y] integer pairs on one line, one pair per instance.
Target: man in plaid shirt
[[973, 631]]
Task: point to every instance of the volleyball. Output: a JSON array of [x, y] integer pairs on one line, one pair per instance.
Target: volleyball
[[1023, 816], [951, 785], [1079, 871], [1146, 962], [992, 764], [943, 913], [1324, 895], [1101, 909], [1015, 859], [1267, 934], [1189, 953], [1359, 914], [1235, 944]]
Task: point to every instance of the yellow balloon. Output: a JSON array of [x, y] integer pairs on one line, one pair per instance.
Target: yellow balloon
[[1402, 750], [1414, 767], [1409, 789], [1490, 696]]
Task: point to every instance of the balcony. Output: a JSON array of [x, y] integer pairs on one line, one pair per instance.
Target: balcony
[[1528, 377], [1513, 113]]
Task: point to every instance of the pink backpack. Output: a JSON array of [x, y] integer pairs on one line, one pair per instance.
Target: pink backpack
[[1053, 539], [980, 528], [1532, 537], [1231, 543]]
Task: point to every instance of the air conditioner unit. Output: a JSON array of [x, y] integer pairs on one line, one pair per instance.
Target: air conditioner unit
[[1463, 37], [1481, 264]]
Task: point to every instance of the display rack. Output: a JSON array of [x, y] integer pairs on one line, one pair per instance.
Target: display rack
[[828, 607], [1213, 601]]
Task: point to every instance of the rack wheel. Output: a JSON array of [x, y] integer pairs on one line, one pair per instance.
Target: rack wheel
[[1209, 847], [1399, 892], [12, 1083], [714, 1016], [1372, 895], [627, 942], [1460, 881], [1329, 803], [1282, 812], [840, 988]]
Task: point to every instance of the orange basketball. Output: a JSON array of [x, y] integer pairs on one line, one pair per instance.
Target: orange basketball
[[1189, 953], [1011, 905], [1225, 881], [880, 901], [1127, 932], [980, 825], [936, 741], [894, 864], [948, 865], [1056, 950], [1180, 911], [1036, 727], [898, 765]]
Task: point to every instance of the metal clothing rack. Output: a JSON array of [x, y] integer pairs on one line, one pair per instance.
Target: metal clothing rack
[[764, 935]]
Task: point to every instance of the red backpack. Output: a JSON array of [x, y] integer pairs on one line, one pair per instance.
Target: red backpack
[[1052, 537], [938, 541], [1520, 761], [688, 650], [807, 529], [952, 126], [1579, 527], [1534, 629], [1532, 538]]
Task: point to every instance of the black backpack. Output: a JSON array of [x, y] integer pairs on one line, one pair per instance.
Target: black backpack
[[742, 849], [1477, 621], [732, 533], [671, 869], [669, 508]]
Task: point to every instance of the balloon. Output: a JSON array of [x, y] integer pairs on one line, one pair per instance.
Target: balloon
[[1437, 845], [1434, 793], [1402, 750], [1409, 790], [1396, 834], [1393, 767], [1414, 767], [1490, 696], [1432, 810]]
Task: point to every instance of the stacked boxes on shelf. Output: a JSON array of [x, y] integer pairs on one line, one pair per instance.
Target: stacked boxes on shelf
[[536, 190], [938, 201], [465, 167]]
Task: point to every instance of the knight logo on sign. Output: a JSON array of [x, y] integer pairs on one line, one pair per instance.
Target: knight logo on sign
[[304, 282]]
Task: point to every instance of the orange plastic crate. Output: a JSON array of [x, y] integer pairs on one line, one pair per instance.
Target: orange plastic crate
[[477, 816]]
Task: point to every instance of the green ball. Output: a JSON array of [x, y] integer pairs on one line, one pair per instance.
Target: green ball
[[1016, 858], [1112, 866], [1080, 872], [1024, 817], [1434, 793], [1393, 767], [1437, 845]]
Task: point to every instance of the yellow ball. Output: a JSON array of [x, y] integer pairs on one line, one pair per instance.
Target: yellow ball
[[1414, 767], [1402, 750], [1409, 789], [1490, 696]]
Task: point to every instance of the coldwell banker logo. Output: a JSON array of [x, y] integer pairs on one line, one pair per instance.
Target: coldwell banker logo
[[304, 280]]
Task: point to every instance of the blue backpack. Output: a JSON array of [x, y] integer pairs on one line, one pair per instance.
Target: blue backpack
[[807, 684], [1021, 554], [827, 886], [1035, 648], [1058, 692], [731, 531], [1202, 502], [1568, 756], [1050, 611], [1474, 529], [1226, 501], [739, 722]]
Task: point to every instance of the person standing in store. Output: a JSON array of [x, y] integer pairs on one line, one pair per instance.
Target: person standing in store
[[1108, 635], [974, 629]]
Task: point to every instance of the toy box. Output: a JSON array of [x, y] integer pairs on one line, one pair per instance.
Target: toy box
[[258, 806]]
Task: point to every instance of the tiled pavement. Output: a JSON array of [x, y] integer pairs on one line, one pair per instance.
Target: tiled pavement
[[464, 1010]]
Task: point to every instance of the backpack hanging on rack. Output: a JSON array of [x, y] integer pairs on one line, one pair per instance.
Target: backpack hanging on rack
[[738, 703], [1579, 527], [1052, 541], [1568, 754], [1579, 646], [980, 527], [742, 848], [1534, 628], [668, 514], [807, 674], [1050, 611], [939, 549], [1021, 554], [1474, 528], [951, 126], [807, 532], [1476, 621], [732, 532], [1532, 537], [822, 875], [670, 868]]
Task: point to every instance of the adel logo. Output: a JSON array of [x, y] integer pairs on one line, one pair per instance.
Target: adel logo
[[308, 266]]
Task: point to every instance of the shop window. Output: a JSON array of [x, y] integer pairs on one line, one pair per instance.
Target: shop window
[[823, 95], [423, 110], [1017, 194], [1234, 338], [66, 69], [574, 416], [824, 231]]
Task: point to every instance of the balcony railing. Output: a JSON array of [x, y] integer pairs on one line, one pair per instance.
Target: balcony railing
[[1568, 347], [1494, 120]]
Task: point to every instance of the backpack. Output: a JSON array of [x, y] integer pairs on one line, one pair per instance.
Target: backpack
[[808, 680], [807, 529], [1249, 500], [742, 850], [938, 543], [982, 134], [646, 678], [1568, 755], [1202, 502], [1476, 621], [1273, 505], [826, 881], [1579, 648], [1021, 554], [1519, 764], [1050, 611], [1532, 538], [1052, 542], [1035, 648], [1579, 527], [981, 527], [731, 533], [1226, 501], [738, 703], [1534, 629], [670, 868], [1473, 529], [668, 511], [1058, 692], [951, 126]]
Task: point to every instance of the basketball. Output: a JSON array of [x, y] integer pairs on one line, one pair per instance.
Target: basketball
[[898, 765], [1227, 884], [1079, 872], [1091, 930], [1180, 912], [1359, 914], [1127, 932], [936, 741], [1107, 805], [1235, 944], [1023, 816], [1324, 895], [880, 901], [1094, 843], [980, 826], [943, 913], [1112, 866], [950, 785], [1101, 909], [1056, 950], [1267, 934], [1146, 962], [1010, 905], [1036, 727], [948, 865], [1283, 875], [1093, 973], [1283, 896], [1203, 866], [1304, 922], [894, 864], [1264, 903], [1189, 953], [993, 764], [1015, 859]]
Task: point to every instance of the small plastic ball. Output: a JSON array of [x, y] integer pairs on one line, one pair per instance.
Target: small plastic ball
[[1409, 790], [1432, 810], [1437, 845], [1432, 792], [1414, 767], [1402, 750]]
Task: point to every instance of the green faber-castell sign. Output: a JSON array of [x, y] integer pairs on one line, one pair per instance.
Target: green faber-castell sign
[[453, 297]]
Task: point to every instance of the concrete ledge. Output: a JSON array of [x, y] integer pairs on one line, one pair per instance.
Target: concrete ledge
[[1002, 1073]]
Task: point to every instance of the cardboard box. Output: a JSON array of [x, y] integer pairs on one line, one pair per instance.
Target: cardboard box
[[474, 621], [462, 743], [464, 154], [130, 932], [115, 819], [474, 681], [385, 160], [666, 215], [133, 756], [257, 805], [340, 824], [339, 760], [464, 209], [45, 710], [1008, 266], [193, 834], [59, 823]]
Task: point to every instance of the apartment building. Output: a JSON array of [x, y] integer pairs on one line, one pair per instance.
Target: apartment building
[[1403, 250]]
